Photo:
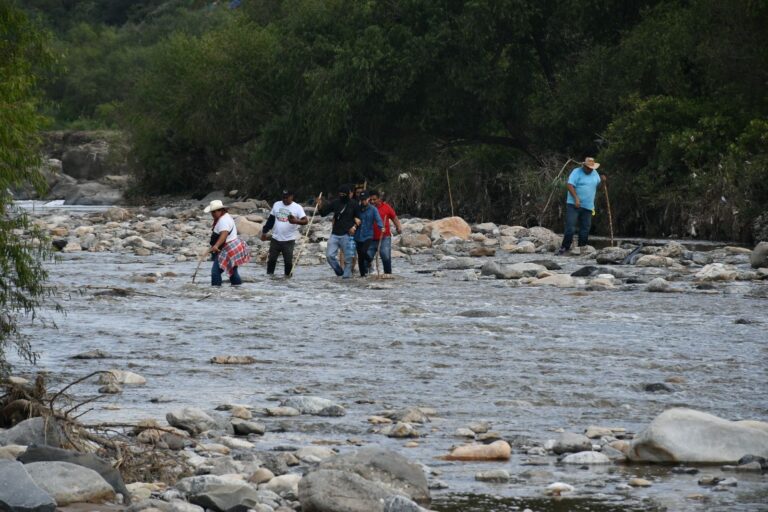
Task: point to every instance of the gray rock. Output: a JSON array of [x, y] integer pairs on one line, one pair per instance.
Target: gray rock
[[759, 256], [311, 405], [244, 427], [457, 264], [407, 415], [218, 493], [611, 255], [548, 264], [658, 284], [191, 419], [516, 270], [69, 483], [19, 493], [497, 476], [401, 504], [658, 387], [686, 435], [389, 469], [573, 443], [38, 430], [87, 460], [329, 490]]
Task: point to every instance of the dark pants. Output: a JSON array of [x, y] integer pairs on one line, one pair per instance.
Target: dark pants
[[573, 217], [216, 272], [385, 251], [363, 258], [276, 248]]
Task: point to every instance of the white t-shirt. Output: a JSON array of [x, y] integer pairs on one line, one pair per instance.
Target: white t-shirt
[[226, 223], [283, 231]]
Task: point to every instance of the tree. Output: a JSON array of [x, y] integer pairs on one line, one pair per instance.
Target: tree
[[22, 280]]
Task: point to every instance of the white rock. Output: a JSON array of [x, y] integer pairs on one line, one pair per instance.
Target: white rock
[[716, 272], [687, 435], [586, 458], [122, 377]]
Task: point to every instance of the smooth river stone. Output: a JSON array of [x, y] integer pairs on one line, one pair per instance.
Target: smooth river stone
[[687, 435], [498, 450]]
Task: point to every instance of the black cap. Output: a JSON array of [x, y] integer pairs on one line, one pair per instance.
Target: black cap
[[364, 195], [345, 189], [287, 192]]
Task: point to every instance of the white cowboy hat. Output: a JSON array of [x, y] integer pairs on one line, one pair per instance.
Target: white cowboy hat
[[590, 162], [213, 206]]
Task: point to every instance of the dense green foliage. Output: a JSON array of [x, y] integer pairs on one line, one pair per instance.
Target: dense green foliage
[[668, 94], [22, 278]]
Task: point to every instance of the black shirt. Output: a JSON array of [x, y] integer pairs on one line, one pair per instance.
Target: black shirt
[[344, 212]]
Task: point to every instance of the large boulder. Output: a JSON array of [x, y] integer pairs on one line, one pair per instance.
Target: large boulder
[[386, 468], [716, 272], [191, 419], [759, 256], [86, 193], [43, 431], [19, 493], [542, 236], [247, 228], [449, 227], [219, 493], [69, 483], [87, 460], [330, 490], [687, 435]]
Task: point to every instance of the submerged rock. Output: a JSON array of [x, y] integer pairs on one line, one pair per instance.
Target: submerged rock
[[313, 405], [570, 442], [687, 435], [586, 457]]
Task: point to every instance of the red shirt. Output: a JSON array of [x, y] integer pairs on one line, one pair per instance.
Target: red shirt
[[387, 213]]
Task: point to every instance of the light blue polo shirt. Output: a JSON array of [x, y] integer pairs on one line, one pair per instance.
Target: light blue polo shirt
[[586, 187]]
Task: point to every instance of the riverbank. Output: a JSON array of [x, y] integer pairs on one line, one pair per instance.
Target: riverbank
[[526, 358]]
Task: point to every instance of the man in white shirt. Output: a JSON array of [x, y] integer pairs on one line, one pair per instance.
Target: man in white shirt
[[284, 221]]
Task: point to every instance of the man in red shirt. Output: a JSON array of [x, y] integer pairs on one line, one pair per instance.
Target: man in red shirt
[[382, 240]]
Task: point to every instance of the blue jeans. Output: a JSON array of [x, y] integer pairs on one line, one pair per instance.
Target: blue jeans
[[216, 272], [385, 252], [574, 216], [336, 242]]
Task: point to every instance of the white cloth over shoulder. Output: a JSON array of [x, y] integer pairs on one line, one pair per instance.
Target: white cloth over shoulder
[[226, 223]]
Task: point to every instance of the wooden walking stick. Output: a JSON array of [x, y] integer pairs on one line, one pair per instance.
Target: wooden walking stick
[[376, 259], [200, 261], [309, 226], [610, 215]]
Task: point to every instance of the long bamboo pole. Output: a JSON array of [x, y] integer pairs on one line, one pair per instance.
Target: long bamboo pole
[[549, 199], [610, 214], [309, 226]]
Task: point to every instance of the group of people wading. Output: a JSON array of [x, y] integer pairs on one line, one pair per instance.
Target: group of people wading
[[361, 231], [361, 228]]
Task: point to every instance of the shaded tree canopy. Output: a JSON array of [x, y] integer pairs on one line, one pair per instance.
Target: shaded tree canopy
[[668, 94]]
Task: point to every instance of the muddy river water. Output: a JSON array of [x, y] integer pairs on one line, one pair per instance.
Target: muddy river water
[[528, 360]]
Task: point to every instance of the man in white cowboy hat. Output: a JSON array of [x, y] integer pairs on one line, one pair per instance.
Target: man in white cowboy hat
[[229, 252], [582, 188]]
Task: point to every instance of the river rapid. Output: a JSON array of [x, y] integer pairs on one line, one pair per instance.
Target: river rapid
[[528, 360]]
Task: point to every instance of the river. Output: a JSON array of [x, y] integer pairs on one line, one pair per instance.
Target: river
[[528, 360]]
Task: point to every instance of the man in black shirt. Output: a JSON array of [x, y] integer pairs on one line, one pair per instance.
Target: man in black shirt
[[342, 234]]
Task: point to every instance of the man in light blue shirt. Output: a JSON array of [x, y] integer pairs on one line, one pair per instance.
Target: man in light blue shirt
[[582, 188]]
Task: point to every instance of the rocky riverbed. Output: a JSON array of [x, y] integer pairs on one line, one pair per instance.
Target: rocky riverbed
[[483, 343]]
